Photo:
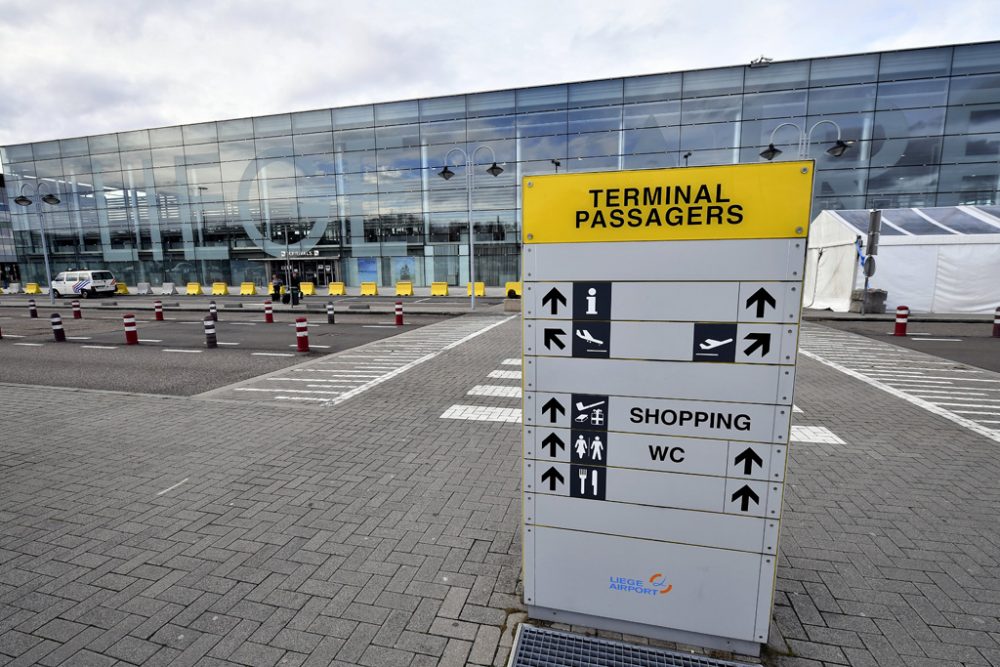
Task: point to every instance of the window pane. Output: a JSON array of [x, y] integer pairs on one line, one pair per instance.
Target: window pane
[[974, 148], [841, 99], [595, 93], [137, 140], [653, 88], [903, 179], [975, 89], [774, 105], [106, 143], [74, 166], [595, 144], [652, 140], [497, 103], [711, 109], [840, 182], [399, 158], [106, 162], [201, 153], [236, 150], [354, 140], [710, 136], [491, 127], [541, 99], [397, 136], [162, 137], [976, 59], [543, 148], [349, 118], [274, 147], [396, 113], [305, 122], [45, 150], [443, 132], [70, 147], [536, 124], [202, 133], [305, 144], [915, 64], [713, 82], [975, 177], [909, 123], [241, 128], [594, 119], [849, 69], [910, 94], [655, 114], [981, 118], [442, 108], [777, 76], [272, 126], [908, 151]]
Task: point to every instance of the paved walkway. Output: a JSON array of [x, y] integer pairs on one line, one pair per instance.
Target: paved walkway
[[383, 530]]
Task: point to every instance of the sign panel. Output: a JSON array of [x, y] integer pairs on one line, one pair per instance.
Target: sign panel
[[661, 321]]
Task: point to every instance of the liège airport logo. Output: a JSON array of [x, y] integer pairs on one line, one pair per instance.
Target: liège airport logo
[[656, 584]]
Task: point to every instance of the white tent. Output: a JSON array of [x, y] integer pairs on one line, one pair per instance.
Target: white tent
[[934, 260]]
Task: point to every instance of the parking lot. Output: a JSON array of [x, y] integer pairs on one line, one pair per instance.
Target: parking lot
[[171, 357]]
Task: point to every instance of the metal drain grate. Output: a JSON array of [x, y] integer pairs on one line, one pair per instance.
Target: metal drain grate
[[538, 647]]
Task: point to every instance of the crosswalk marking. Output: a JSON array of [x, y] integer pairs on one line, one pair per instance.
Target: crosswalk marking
[[505, 375], [814, 434], [496, 391], [483, 413]]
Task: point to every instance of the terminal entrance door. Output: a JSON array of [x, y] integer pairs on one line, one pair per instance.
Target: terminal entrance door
[[321, 271]]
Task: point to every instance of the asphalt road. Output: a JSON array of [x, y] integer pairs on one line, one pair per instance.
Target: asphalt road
[[171, 357], [967, 343]]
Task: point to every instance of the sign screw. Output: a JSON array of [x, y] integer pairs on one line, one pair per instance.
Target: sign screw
[[531, 184], [798, 230], [531, 236], [805, 170]]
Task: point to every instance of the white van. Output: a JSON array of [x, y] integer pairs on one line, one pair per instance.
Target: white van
[[85, 283]]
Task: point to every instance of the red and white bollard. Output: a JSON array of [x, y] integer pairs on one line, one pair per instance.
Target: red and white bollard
[[211, 341], [331, 318], [158, 311], [131, 332], [302, 334], [77, 313], [268, 312], [58, 333], [213, 312], [399, 313], [996, 323], [32, 309], [902, 313]]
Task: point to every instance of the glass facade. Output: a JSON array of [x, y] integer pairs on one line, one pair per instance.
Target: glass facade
[[354, 193]]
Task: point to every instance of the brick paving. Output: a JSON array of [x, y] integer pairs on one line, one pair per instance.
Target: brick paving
[[376, 533]]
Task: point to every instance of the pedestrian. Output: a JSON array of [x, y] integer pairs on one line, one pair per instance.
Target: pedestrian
[[276, 286]]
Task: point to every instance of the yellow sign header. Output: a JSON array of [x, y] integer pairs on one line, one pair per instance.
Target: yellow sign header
[[745, 201]]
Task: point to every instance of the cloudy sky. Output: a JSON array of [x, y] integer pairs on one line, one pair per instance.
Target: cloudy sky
[[71, 67]]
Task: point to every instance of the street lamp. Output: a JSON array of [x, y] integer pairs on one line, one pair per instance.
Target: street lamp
[[470, 182], [556, 164], [805, 140], [52, 200], [686, 156]]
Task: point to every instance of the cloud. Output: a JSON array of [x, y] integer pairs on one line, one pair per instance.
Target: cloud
[[73, 68]]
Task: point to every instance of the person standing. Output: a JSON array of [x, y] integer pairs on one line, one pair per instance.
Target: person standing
[[294, 286]]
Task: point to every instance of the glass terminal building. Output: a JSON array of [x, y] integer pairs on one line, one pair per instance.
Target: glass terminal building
[[356, 194]]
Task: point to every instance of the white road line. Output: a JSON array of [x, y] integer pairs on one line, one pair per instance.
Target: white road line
[[969, 405], [510, 362], [495, 390], [301, 398], [416, 362], [167, 349], [30, 344], [271, 354], [333, 382], [505, 375], [483, 414], [77, 337], [221, 343], [286, 391], [150, 340], [378, 326], [796, 408], [99, 347], [243, 324], [814, 434], [941, 340], [915, 400], [322, 347], [13, 336], [171, 488], [978, 412]]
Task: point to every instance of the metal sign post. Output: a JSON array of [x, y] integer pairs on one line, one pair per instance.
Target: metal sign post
[[661, 318], [871, 249]]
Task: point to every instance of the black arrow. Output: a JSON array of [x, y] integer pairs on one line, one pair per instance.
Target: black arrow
[[761, 297], [552, 476], [747, 457], [556, 297], [553, 406], [552, 441], [553, 336], [747, 494], [760, 340]]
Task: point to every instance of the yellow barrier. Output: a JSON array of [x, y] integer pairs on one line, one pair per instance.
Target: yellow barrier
[[270, 289], [369, 289], [307, 289], [121, 288], [193, 289], [248, 289], [480, 289], [220, 289], [512, 289], [439, 289], [32, 288], [337, 289], [404, 288]]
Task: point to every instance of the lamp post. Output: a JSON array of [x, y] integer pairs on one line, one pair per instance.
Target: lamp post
[[805, 140], [556, 164], [52, 200], [470, 182]]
